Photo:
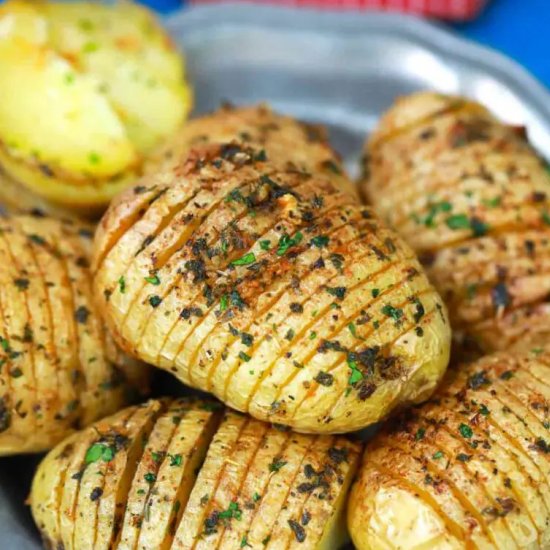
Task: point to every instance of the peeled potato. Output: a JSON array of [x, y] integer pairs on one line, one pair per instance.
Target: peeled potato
[[186, 474], [270, 288], [471, 197], [85, 97], [468, 469], [59, 369]]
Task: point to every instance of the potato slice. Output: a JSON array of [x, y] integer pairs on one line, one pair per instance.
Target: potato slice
[[479, 435]]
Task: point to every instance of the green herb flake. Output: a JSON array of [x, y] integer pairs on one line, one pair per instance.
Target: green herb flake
[[320, 241], [375, 292], [150, 477], [437, 455], [277, 464], [233, 511], [153, 280], [356, 375], [286, 242], [483, 410], [244, 357], [352, 328], [122, 284], [546, 217], [176, 460], [155, 301], [99, 451], [265, 244], [458, 221], [393, 312], [465, 431], [223, 302], [247, 259], [420, 433]]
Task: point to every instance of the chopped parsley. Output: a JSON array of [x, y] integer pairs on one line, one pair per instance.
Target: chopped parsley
[[320, 241], [465, 431], [247, 259], [286, 242], [277, 464], [153, 279], [122, 284], [99, 451]]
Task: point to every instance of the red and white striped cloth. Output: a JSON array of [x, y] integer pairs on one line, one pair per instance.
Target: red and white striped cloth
[[458, 10]]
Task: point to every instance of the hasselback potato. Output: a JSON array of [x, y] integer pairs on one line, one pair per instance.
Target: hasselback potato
[[468, 469], [472, 198], [59, 369], [270, 288], [187, 474]]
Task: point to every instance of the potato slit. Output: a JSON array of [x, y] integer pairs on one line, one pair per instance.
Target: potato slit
[[341, 362], [27, 349], [311, 443], [231, 341], [318, 320], [274, 301], [124, 225], [485, 486], [198, 519], [261, 432], [344, 323], [203, 319], [306, 327], [456, 491], [454, 528]]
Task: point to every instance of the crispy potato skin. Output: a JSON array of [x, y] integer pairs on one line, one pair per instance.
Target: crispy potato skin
[[199, 476], [60, 370], [288, 142], [272, 289], [470, 468], [88, 92], [470, 195]]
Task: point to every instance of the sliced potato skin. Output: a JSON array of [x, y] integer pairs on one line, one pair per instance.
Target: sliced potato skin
[[117, 89], [235, 481], [271, 289], [60, 370], [286, 141], [470, 195], [481, 441]]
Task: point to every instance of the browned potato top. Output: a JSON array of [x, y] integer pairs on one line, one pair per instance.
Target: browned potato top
[[270, 288], [59, 370], [468, 469], [288, 142], [472, 198], [186, 474]]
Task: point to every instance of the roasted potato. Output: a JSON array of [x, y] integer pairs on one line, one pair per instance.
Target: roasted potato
[[272, 289], [289, 143], [472, 198], [468, 469], [187, 474], [88, 91], [59, 369]]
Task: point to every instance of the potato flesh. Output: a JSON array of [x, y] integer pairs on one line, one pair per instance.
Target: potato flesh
[[58, 371], [117, 90], [481, 440], [260, 357], [471, 197], [255, 481]]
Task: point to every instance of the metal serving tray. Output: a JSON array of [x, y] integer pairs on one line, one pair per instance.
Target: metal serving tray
[[341, 69]]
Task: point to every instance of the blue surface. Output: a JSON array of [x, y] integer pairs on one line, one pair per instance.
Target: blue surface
[[518, 28]]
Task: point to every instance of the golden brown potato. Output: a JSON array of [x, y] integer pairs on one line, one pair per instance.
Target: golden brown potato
[[88, 91], [272, 289], [287, 142], [59, 370], [185, 474], [468, 469], [471, 197]]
